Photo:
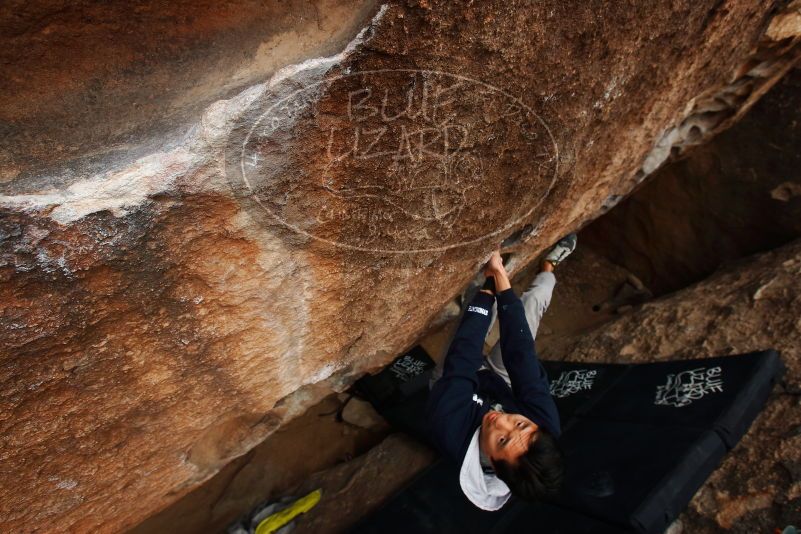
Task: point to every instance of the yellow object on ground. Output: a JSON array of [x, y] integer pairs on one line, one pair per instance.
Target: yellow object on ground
[[273, 522]]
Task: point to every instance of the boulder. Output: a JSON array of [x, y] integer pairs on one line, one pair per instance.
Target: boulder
[[362, 414]]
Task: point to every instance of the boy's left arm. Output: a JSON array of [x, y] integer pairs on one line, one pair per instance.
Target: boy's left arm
[[450, 405]]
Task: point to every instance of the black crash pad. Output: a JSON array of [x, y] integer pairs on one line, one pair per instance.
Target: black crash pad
[[619, 477], [519, 516], [434, 502], [576, 387], [635, 475], [722, 394], [399, 391], [638, 440]]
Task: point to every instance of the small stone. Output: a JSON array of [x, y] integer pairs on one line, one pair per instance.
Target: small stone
[[675, 527], [71, 363], [362, 414], [762, 291], [786, 191], [636, 282]]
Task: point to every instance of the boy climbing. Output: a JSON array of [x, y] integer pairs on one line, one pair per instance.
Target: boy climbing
[[496, 418]]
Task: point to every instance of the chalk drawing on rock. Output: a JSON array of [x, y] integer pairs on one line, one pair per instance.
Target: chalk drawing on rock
[[394, 161]]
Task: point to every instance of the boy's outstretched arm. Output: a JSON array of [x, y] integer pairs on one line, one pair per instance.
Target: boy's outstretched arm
[[465, 352], [451, 405]]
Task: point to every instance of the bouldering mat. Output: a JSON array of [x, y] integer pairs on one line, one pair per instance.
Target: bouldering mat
[[638, 440], [721, 394], [576, 387], [635, 475], [399, 391], [433, 502]]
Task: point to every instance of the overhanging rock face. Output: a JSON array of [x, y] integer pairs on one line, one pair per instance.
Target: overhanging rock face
[[229, 209]]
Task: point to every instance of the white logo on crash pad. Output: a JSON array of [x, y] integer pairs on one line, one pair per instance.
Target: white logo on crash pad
[[570, 382], [686, 387]]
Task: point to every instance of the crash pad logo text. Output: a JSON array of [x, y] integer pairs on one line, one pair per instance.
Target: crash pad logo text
[[683, 388], [407, 367], [570, 382]]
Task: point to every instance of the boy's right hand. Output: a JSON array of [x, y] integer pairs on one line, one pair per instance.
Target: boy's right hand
[[494, 265], [496, 269]]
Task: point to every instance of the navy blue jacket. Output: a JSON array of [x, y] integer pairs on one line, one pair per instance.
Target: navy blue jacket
[[462, 396]]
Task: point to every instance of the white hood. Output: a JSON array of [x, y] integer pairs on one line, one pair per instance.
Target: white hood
[[486, 491]]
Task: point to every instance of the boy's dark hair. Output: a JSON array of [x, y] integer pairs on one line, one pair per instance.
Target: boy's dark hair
[[539, 471]]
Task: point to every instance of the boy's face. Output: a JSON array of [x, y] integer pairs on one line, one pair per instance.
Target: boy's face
[[506, 436]]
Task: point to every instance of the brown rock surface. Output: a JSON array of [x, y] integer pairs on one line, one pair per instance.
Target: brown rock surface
[[87, 82], [737, 195], [196, 245], [752, 305]]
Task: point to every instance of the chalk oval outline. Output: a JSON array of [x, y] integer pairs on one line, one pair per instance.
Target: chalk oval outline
[[329, 81]]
